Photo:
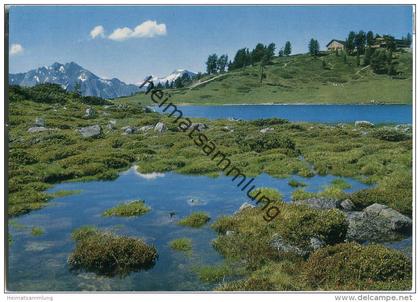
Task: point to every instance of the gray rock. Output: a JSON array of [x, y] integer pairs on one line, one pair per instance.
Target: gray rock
[[160, 127], [200, 126], [91, 131], [112, 124], [227, 129], [265, 130], [37, 129], [90, 112], [316, 243], [318, 203], [245, 205], [397, 221], [39, 122], [363, 124], [347, 205], [377, 223], [145, 128], [403, 128], [128, 130], [282, 246], [230, 233]]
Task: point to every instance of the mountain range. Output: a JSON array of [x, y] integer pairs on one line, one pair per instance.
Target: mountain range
[[71, 75], [178, 73]]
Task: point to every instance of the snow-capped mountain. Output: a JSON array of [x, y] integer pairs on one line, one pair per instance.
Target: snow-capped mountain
[[69, 75], [173, 76]]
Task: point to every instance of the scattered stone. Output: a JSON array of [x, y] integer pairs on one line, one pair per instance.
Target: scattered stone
[[37, 129], [200, 126], [111, 124], [318, 203], [347, 205], [145, 128], [403, 128], [39, 122], [227, 129], [128, 130], [90, 112], [160, 127], [363, 124], [265, 130], [230, 233], [91, 131]]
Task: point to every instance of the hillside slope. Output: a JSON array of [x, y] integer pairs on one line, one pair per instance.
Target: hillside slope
[[300, 79]]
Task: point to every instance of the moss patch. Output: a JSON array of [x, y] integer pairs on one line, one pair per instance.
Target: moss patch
[[132, 208], [37, 231], [195, 220]]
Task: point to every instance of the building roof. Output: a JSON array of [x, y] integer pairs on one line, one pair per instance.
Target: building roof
[[339, 41]]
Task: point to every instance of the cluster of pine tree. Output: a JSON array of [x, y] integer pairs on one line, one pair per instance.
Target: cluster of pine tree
[[378, 51]]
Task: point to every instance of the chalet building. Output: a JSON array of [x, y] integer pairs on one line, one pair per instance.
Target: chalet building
[[335, 45]]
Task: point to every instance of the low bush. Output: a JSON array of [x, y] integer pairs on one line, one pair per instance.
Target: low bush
[[181, 244], [132, 208], [350, 266], [107, 254], [195, 220]]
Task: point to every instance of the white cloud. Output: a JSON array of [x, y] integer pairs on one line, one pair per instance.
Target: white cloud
[[97, 31], [16, 49], [147, 29]]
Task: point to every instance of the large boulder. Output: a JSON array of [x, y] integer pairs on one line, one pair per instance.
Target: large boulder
[[377, 223], [160, 127], [91, 131]]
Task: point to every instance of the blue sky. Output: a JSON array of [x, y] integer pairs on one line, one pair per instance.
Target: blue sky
[[178, 36]]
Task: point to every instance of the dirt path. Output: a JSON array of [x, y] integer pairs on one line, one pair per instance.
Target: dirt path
[[206, 81]]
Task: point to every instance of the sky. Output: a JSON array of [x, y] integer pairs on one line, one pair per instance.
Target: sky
[[131, 42]]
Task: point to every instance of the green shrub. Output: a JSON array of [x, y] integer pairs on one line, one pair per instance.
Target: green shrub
[[181, 244], [195, 220], [390, 135], [270, 193], [340, 184], [268, 141], [294, 183], [214, 273], [37, 231], [224, 224], [132, 208], [350, 266], [108, 254]]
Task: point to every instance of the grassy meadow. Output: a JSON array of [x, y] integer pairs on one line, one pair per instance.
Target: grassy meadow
[[299, 79], [379, 155]]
